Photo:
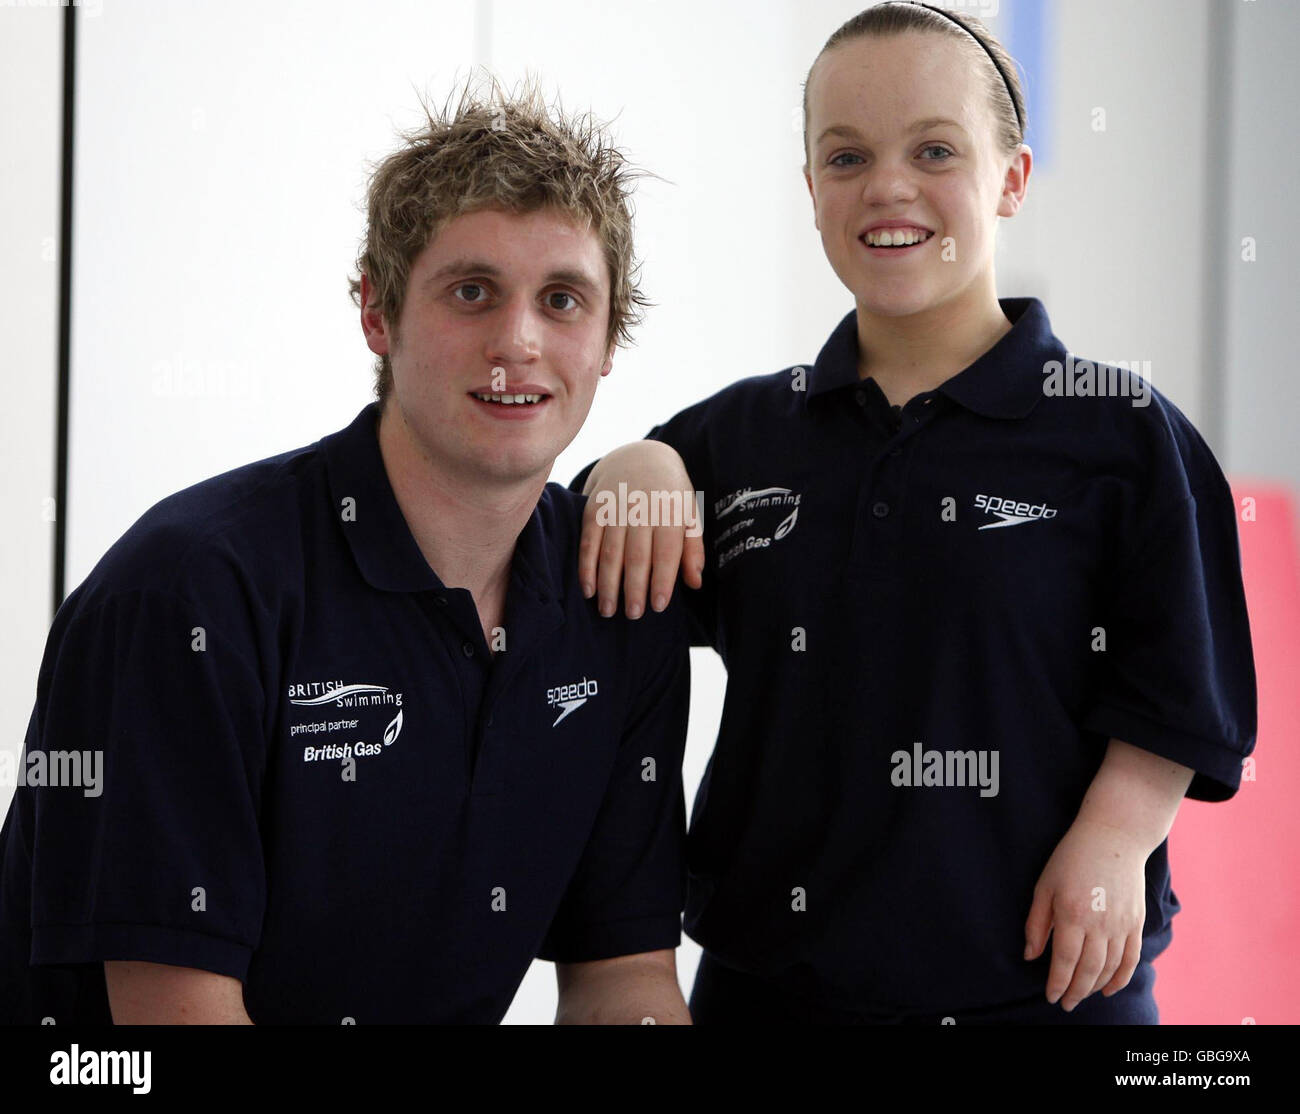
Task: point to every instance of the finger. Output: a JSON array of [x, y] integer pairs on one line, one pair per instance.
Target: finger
[[664, 561], [1039, 923], [693, 543], [1091, 961], [693, 561], [1132, 956], [610, 573], [636, 568], [1114, 957], [1067, 946], [589, 550]]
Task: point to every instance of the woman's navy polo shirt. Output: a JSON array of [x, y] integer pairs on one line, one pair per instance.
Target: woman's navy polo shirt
[[316, 778], [933, 621]]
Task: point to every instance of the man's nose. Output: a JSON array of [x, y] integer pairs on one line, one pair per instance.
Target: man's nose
[[515, 336]]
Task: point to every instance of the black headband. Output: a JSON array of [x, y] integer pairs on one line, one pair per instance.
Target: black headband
[[1020, 120]]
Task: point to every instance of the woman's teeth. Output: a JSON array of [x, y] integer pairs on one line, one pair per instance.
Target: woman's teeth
[[508, 400], [896, 237]]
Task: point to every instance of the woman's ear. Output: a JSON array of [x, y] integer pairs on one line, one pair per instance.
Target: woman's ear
[[1016, 181]]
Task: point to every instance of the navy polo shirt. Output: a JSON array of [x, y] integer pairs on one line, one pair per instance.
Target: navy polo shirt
[[318, 780], [933, 619]]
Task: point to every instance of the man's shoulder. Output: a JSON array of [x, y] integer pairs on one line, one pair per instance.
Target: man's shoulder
[[244, 524], [561, 511]]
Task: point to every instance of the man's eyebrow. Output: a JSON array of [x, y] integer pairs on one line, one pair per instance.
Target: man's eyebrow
[[572, 277], [850, 132], [569, 276], [463, 267]]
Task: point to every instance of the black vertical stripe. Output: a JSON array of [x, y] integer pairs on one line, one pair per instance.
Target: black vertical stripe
[[65, 304]]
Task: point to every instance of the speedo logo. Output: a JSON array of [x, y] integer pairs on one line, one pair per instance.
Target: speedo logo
[[571, 697], [1011, 512]]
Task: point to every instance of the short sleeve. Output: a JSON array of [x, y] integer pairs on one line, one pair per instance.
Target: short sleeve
[[1178, 674], [628, 892], [156, 855]]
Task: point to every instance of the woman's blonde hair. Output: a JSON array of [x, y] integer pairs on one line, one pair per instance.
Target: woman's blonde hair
[[512, 152]]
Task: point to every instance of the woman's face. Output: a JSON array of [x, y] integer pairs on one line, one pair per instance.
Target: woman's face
[[901, 132]]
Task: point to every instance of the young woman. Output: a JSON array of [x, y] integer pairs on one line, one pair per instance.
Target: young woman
[[980, 603]]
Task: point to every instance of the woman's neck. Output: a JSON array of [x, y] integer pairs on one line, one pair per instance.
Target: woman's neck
[[907, 356]]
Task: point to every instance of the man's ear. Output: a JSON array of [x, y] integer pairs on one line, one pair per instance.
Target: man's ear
[[608, 365], [372, 320]]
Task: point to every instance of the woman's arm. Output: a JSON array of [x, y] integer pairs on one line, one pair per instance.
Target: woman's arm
[[651, 473]]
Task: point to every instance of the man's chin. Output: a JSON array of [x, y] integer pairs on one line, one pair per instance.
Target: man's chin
[[512, 469]]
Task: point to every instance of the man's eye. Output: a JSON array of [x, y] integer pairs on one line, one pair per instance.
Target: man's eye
[[935, 147], [550, 298], [835, 161], [477, 292]]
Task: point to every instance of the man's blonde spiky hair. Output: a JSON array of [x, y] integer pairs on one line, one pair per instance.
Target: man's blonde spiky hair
[[496, 150]]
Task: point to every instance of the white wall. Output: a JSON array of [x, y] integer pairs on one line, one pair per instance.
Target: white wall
[[31, 81], [1262, 401], [220, 167]]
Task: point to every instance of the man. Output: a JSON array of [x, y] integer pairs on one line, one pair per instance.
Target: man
[[367, 750]]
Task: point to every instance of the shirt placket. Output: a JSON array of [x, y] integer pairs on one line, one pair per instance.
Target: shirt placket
[[877, 550]]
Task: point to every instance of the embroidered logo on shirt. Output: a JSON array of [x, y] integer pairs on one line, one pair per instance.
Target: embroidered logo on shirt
[[329, 696], [571, 697], [748, 505], [1011, 512], [341, 695]]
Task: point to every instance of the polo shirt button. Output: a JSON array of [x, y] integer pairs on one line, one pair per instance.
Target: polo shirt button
[[467, 648], [880, 510], [860, 396], [441, 601]]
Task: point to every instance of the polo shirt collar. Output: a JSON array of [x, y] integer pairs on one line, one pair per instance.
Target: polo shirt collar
[[1005, 382], [382, 544]]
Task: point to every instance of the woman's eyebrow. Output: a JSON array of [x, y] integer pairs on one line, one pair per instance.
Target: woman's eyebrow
[[850, 132], [935, 122]]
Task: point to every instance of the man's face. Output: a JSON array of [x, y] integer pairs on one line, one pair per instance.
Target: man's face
[[879, 154], [499, 304]]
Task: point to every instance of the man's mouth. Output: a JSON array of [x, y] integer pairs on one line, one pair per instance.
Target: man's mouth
[[510, 399], [895, 238]]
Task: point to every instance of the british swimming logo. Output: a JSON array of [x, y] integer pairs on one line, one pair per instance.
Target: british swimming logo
[[750, 506], [336, 696], [317, 693]]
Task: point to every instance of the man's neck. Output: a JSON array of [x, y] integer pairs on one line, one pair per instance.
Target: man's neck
[[465, 528], [907, 356]]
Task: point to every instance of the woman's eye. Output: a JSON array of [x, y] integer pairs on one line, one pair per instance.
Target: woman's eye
[[942, 151], [835, 161], [561, 294], [477, 291]]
